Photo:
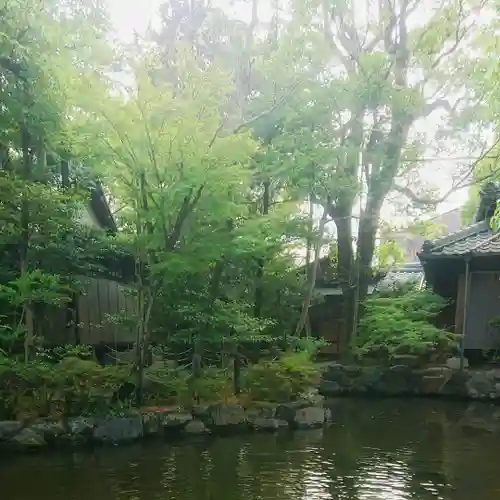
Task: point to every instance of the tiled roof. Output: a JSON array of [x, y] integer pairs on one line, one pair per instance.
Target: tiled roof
[[477, 239], [406, 274]]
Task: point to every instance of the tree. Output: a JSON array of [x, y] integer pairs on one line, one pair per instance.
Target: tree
[[45, 46], [256, 101], [172, 169], [384, 74]]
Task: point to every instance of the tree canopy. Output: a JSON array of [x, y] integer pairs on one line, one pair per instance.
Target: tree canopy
[[226, 147]]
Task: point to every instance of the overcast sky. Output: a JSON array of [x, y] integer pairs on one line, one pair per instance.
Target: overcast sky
[[130, 15]]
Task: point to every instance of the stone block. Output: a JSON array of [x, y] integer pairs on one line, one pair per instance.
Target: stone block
[[195, 427], [9, 428], [118, 429], [309, 418], [28, 439]]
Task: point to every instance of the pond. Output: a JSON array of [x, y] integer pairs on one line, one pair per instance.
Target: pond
[[376, 450]]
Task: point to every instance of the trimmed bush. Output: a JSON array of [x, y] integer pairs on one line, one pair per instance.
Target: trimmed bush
[[400, 322], [281, 380], [71, 387]]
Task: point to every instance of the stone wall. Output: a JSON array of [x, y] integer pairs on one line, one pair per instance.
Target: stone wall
[[163, 423], [404, 380]]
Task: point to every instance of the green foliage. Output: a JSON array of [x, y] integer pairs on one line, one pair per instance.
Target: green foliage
[[388, 254], [73, 386], [281, 380], [213, 385], [208, 144], [167, 386], [164, 385], [59, 353], [400, 322]]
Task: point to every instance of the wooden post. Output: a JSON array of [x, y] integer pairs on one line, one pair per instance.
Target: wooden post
[[466, 303]]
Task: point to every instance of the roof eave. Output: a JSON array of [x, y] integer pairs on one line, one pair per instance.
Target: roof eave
[[470, 255]]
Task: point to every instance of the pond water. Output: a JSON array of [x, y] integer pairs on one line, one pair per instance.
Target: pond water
[[376, 450]]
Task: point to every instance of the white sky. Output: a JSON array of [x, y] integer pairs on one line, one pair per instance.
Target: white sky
[[135, 15]]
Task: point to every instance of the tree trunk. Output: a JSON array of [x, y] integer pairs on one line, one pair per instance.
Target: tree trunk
[[140, 341], [367, 234], [236, 371], [196, 364], [312, 277], [72, 319], [140, 346], [29, 321], [309, 242], [346, 271], [259, 290]]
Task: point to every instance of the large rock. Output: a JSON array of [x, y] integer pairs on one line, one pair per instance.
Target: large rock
[[51, 430], [482, 385], [80, 430], [454, 363], [407, 360], [194, 427], [118, 429], [312, 397], [396, 380], [456, 385], [28, 439], [9, 428], [405, 380], [300, 415], [226, 416], [268, 424], [200, 411], [263, 418], [159, 421], [151, 424], [308, 418], [431, 381], [175, 419], [351, 379]]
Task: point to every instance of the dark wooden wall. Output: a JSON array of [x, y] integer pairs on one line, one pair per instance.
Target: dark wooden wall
[[101, 300], [327, 323]]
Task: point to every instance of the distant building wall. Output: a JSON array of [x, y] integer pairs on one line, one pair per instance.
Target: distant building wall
[[99, 307], [101, 302], [411, 244]]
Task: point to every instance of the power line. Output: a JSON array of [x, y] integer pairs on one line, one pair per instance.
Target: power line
[[452, 158]]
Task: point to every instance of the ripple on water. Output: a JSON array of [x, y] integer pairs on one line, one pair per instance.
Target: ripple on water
[[382, 451]]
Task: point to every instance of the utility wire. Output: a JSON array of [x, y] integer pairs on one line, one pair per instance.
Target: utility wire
[[451, 158]]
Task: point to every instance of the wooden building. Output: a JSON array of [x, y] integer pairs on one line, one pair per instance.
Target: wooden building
[[465, 268], [326, 316], [92, 319]]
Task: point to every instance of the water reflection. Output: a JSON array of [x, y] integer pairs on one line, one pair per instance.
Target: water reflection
[[383, 450]]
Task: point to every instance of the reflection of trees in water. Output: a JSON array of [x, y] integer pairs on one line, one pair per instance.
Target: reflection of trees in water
[[397, 446], [385, 450]]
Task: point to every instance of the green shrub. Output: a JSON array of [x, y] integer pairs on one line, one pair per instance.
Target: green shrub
[[165, 386], [400, 322], [71, 387], [211, 386], [281, 380]]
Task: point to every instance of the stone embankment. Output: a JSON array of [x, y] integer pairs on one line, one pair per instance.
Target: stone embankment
[[162, 423], [403, 379]]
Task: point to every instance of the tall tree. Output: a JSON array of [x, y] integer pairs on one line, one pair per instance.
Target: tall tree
[[385, 71]]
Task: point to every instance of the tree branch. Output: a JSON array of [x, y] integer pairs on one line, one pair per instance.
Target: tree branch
[[268, 111], [466, 180], [188, 205], [459, 36]]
